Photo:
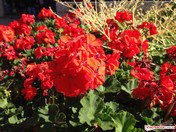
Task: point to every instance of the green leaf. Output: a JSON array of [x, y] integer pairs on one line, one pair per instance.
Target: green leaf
[[112, 85], [16, 61], [130, 86], [137, 130], [60, 119], [92, 105], [13, 119], [101, 88], [124, 121], [3, 103], [106, 122], [44, 113], [44, 110], [151, 116], [3, 88], [1, 94], [53, 112], [113, 105], [74, 123]]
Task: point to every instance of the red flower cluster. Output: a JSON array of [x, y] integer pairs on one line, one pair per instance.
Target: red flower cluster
[[142, 74], [45, 35], [123, 16], [11, 34], [43, 51], [8, 51], [129, 43], [171, 53], [23, 26], [26, 19], [40, 72], [24, 43], [80, 64], [46, 13], [152, 28], [112, 24], [6, 34], [160, 91], [79, 61], [3, 73]]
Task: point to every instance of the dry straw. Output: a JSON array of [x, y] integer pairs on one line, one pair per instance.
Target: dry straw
[[166, 24]]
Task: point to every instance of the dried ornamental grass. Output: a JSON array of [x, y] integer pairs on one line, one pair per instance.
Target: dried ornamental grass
[[162, 14]]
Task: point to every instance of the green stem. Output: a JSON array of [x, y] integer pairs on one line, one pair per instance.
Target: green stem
[[169, 110], [53, 101]]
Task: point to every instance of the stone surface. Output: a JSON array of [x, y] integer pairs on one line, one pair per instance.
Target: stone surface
[[1, 9]]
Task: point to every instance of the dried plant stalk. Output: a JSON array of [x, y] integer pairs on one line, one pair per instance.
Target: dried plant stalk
[[106, 10], [165, 24]]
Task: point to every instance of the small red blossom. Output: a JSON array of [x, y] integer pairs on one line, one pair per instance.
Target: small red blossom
[[129, 43], [112, 62], [24, 29], [39, 52], [142, 73], [10, 53], [60, 22], [7, 34], [41, 28], [46, 36], [24, 43], [46, 13], [165, 68], [21, 28], [167, 82], [152, 28], [90, 5], [14, 24], [171, 53], [112, 24], [145, 47], [26, 19], [123, 16], [29, 92]]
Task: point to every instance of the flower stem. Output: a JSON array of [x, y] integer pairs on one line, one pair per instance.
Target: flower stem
[[169, 110], [53, 101]]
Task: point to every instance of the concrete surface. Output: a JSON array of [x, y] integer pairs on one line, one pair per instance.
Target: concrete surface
[[1, 8], [5, 20]]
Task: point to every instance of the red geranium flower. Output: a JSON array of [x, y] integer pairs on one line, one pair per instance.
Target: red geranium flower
[[29, 92], [142, 73], [26, 19], [46, 13], [69, 77], [112, 63], [123, 16], [152, 28], [6, 33]]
